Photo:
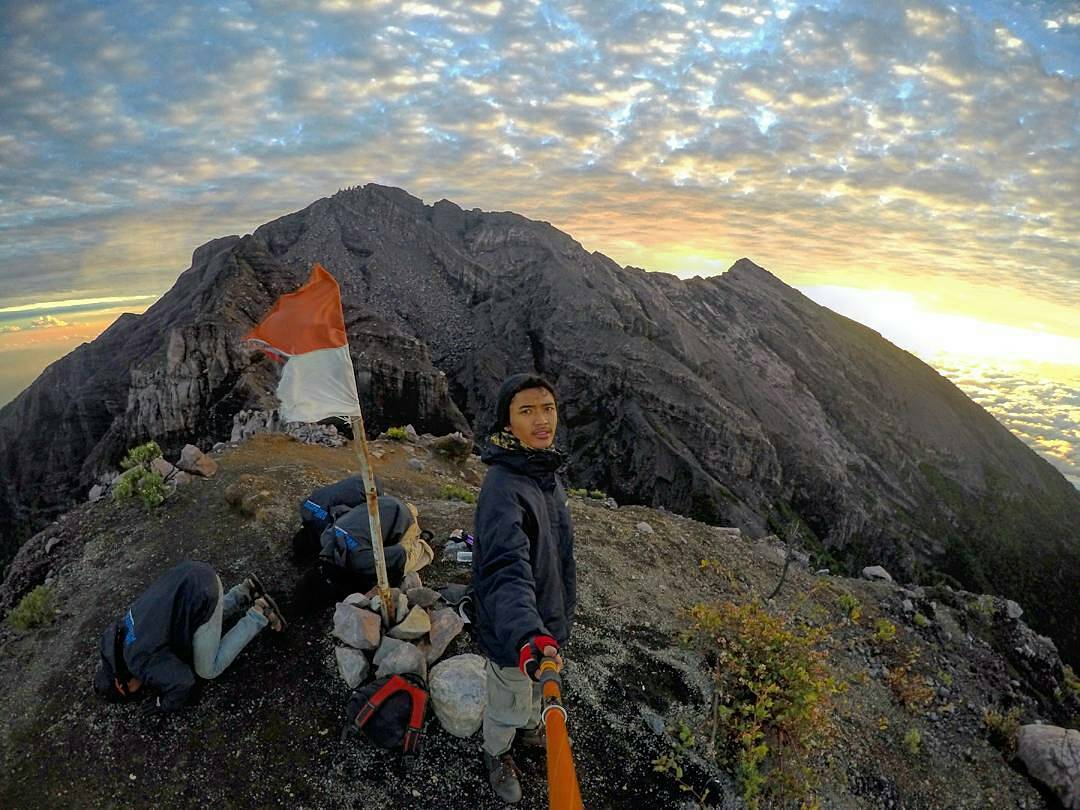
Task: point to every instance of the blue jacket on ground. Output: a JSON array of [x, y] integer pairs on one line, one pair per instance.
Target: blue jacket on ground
[[524, 578], [158, 631]]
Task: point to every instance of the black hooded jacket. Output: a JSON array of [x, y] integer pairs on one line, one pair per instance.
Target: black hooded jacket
[[524, 576], [158, 630]]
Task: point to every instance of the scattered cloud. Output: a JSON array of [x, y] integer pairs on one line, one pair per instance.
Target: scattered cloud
[[8, 329], [47, 322]]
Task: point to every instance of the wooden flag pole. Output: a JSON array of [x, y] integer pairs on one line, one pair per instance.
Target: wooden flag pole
[[363, 455]]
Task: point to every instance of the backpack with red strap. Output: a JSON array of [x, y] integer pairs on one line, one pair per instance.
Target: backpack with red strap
[[390, 712]]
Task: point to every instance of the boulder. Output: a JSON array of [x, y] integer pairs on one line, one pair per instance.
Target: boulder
[[195, 461], [399, 657], [357, 600], [352, 665], [876, 572], [97, 491], [1051, 755], [415, 625], [410, 434], [423, 597], [644, 528], [416, 464], [445, 626], [455, 446], [1013, 610], [163, 468], [401, 603], [410, 580], [357, 627], [458, 688]]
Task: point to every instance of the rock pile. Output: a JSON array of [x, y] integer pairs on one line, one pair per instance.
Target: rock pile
[[423, 628]]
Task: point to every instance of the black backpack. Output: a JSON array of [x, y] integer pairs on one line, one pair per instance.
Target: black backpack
[[389, 712]]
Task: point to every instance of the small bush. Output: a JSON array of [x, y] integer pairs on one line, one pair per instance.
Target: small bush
[[851, 606], [140, 481], [141, 456], [1072, 683], [772, 710], [396, 434], [884, 631], [911, 689], [913, 741], [34, 610], [578, 493], [597, 494], [456, 492], [1002, 729], [921, 620]]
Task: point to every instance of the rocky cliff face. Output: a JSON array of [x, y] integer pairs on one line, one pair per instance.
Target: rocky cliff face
[[733, 399]]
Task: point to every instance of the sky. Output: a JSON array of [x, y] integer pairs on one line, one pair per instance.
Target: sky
[[913, 165]]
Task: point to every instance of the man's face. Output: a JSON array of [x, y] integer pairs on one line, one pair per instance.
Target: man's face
[[533, 417]]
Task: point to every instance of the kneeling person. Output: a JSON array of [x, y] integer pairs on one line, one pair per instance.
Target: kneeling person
[[172, 633]]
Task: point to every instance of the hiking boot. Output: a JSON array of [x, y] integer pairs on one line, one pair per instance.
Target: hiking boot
[[532, 737], [503, 776], [268, 608]]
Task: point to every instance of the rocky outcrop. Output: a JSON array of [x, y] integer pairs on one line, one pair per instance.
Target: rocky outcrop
[[734, 399], [1052, 755]]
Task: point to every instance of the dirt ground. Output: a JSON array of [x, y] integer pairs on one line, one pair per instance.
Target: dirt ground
[[266, 733]]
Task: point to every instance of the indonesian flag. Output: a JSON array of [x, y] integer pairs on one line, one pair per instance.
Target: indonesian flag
[[307, 329]]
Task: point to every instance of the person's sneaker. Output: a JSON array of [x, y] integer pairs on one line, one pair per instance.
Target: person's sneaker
[[532, 737], [268, 608], [503, 776]]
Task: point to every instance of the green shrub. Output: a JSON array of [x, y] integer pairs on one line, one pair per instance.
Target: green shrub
[[139, 480], [884, 631], [33, 610], [1072, 683], [851, 606], [396, 434], [597, 494], [772, 709], [578, 493], [456, 492], [921, 620], [141, 456], [1002, 729], [913, 741]]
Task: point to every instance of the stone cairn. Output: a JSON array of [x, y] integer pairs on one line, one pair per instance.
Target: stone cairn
[[424, 627]]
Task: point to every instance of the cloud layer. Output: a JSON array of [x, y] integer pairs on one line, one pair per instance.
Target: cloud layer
[[850, 136]]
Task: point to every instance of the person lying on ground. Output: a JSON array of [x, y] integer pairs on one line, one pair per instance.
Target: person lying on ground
[[524, 576], [172, 634]]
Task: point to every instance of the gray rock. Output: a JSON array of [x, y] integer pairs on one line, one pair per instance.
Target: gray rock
[[644, 528], [610, 503], [423, 597], [401, 602], [352, 665], [653, 722], [445, 626], [357, 600], [357, 627], [876, 572], [410, 434], [97, 492], [1051, 755], [454, 446], [53, 542], [908, 606], [195, 461], [414, 625], [1013, 610], [416, 464], [218, 447], [458, 688], [182, 478], [399, 657], [409, 581], [822, 572]]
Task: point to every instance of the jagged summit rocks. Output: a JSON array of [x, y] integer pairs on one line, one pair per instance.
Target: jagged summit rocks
[[734, 398]]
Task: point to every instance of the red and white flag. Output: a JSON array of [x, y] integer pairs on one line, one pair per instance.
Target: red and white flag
[[306, 328]]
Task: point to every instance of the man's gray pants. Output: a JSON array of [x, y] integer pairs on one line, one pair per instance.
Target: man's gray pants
[[513, 702], [213, 652]]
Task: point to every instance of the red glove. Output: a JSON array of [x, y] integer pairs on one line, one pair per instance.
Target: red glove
[[532, 653]]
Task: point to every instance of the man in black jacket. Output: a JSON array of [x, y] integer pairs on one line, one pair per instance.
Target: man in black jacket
[[172, 633], [523, 570]]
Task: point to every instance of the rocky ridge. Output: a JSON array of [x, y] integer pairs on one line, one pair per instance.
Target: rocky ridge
[[733, 399]]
